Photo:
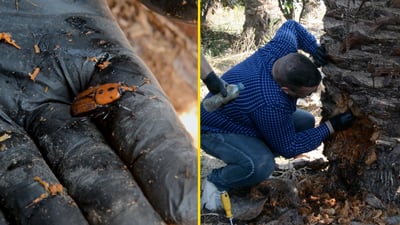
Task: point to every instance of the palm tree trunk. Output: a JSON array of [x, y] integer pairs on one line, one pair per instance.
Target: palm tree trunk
[[257, 19], [363, 42]]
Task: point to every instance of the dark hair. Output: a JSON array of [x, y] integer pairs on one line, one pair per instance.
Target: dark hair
[[298, 71]]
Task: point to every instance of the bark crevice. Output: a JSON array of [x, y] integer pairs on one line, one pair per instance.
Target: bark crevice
[[363, 76]]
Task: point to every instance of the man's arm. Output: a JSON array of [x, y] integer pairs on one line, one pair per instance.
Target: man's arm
[[289, 38], [214, 83], [278, 130]]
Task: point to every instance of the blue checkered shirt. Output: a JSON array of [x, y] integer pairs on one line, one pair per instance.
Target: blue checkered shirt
[[262, 109]]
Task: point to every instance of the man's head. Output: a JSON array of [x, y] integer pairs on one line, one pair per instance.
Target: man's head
[[296, 75]]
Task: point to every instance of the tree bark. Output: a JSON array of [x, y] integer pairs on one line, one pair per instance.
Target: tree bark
[[257, 20], [308, 6], [363, 42], [168, 47]]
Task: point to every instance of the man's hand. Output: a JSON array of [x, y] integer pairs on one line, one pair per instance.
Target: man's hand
[[342, 121], [320, 58], [99, 174], [215, 84]]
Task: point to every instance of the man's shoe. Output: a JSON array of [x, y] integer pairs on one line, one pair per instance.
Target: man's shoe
[[211, 197]]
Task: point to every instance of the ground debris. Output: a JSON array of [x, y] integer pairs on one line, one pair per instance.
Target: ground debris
[[393, 220], [373, 201], [325, 202], [321, 200], [280, 192]]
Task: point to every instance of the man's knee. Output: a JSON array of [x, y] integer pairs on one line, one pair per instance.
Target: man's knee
[[303, 120], [264, 166]]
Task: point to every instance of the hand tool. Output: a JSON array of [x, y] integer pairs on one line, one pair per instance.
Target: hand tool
[[214, 102], [226, 204]]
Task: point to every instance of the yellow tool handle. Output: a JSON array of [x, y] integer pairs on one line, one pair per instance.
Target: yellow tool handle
[[226, 203]]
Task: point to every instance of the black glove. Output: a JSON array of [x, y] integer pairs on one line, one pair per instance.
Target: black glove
[[342, 121], [215, 84], [320, 58], [170, 197]]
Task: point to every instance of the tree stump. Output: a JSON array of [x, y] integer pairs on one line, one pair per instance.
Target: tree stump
[[363, 43]]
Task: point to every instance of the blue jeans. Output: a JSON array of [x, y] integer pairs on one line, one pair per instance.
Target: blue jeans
[[249, 160]]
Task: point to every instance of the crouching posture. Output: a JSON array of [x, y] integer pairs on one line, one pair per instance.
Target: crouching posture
[[263, 121], [121, 157]]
